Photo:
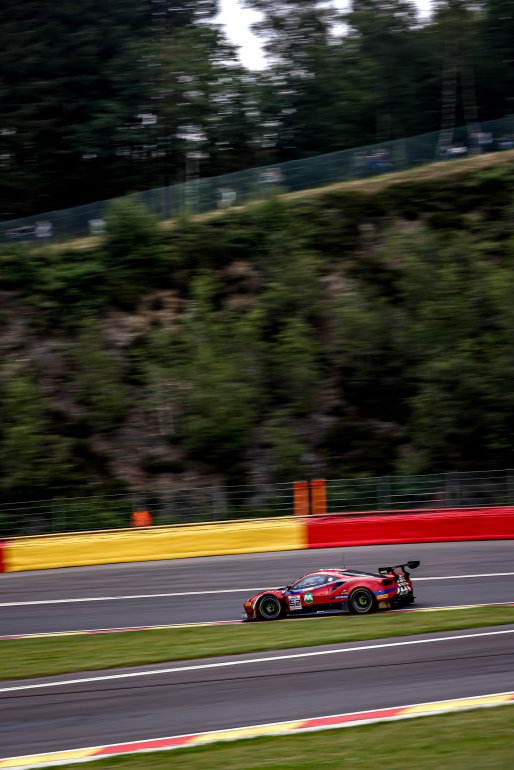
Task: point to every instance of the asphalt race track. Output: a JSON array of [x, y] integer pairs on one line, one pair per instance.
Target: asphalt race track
[[252, 689], [62, 592], [87, 709]]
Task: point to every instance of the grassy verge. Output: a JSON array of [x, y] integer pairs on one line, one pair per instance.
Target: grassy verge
[[25, 658], [467, 741]]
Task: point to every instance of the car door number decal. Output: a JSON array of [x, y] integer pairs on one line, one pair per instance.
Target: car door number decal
[[295, 602], [402, 586]]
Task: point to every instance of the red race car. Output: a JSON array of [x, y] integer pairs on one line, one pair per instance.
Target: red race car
[[335, 590]]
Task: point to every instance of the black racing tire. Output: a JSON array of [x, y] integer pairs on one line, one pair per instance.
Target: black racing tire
[[269, 607], [362, 601]]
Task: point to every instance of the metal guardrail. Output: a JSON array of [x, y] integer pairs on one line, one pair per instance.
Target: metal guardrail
[[447, 490], [167, 506], [202, 195], [222, 503]]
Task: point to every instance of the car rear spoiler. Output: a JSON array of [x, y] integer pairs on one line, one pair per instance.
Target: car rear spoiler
[[403, 567]]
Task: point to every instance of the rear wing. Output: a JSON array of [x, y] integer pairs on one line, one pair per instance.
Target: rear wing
[[403, 567]]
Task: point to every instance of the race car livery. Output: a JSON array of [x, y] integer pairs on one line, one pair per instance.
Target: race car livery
[[335, 590]]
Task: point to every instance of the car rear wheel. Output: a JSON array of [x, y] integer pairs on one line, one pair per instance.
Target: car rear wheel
[[269, 608], [361, 601]]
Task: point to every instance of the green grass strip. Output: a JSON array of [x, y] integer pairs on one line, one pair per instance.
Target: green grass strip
[[472, 740], [24, 658]]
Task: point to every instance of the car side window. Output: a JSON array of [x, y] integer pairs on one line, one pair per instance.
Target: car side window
[[332, 581]]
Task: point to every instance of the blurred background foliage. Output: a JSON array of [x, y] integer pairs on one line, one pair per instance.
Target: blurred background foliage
[[343, 333], [335, 335], [97, 102]]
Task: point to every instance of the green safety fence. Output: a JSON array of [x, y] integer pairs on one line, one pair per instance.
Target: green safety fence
[[187, 505], [202, 195]]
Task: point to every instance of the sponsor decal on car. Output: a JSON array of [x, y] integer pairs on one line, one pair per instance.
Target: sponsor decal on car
[[308, 598]]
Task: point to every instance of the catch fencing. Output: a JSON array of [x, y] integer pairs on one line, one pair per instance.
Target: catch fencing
[[224, 503], [202, 195]]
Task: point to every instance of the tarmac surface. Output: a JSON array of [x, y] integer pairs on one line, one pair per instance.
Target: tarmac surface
[[79, 710], [215, 588]]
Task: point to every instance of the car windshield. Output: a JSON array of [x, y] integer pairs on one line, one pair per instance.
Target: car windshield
[[312, 581]]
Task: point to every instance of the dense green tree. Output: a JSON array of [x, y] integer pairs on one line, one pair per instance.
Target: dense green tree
[[300, 88], [69, 79], [143, 94], [290, 267], [99, 381], [131, 251], [388, 42], [296, 365], [87, 97], [285, 447], [368, 353], [496, 70], [33, 457], [325, 89], [203, 101], [342, 332], [222, 375]]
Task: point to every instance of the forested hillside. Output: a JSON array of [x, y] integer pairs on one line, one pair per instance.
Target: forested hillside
[[343, 333], [97, 100]]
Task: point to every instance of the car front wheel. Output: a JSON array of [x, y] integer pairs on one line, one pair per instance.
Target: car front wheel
[[269, 608], [361, 601]]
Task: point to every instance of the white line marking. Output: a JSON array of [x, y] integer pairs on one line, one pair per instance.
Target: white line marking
[[132, 596], [216, 591], [465, 577], [449, 607], [249, 661]]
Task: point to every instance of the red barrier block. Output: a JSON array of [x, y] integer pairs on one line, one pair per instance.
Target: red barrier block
[[318, 496], [421, 526], [3, 565], [141, 519], [302, 505]]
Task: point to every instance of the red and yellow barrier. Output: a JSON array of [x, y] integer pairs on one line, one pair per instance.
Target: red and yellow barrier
[[416, 526], [154, 543], [309, 527]]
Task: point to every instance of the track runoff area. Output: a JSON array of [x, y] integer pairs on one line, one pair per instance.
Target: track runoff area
[[94, 715]]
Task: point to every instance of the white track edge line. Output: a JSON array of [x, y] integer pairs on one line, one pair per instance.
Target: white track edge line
[[216, 591], [131, 596], [246, 662]]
